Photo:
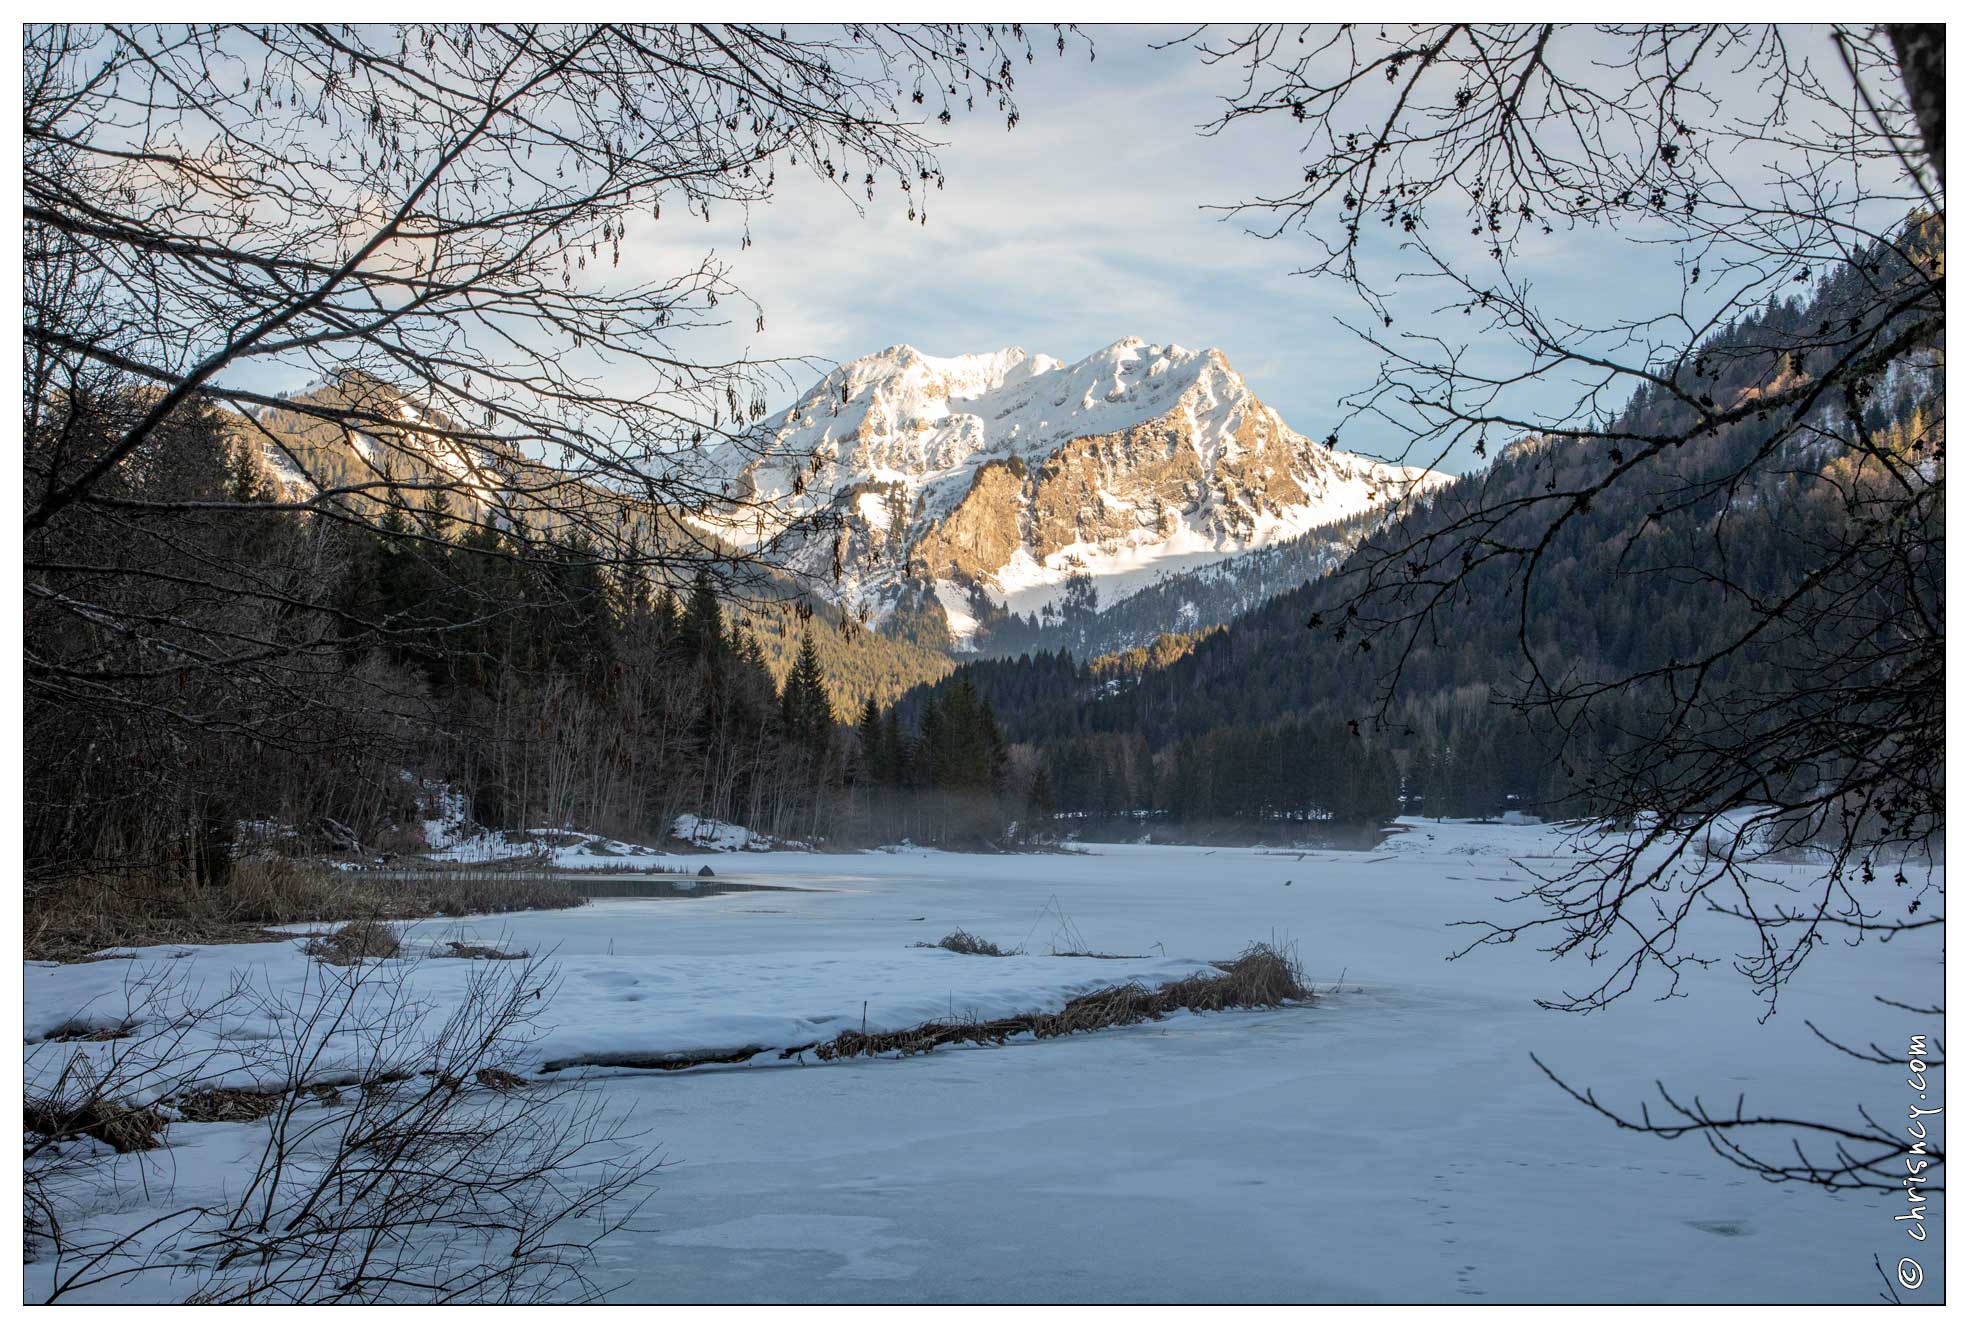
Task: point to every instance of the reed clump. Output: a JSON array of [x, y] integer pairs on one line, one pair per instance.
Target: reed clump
[[1265, 975]]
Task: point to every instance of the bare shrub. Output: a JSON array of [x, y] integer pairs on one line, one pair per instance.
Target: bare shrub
[[965, 943], [432, 1174], [499, 1081], [105, 1090], [125, 1129], [399, 839], [1264, 974]]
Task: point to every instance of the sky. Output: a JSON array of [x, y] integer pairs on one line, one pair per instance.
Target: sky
[[1100, 217], [1089, 222]]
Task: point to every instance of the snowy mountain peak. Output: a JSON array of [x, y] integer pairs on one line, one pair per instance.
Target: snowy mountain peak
[[991, 479]]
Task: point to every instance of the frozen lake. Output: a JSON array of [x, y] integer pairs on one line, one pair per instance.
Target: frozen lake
[[1393, 1142]]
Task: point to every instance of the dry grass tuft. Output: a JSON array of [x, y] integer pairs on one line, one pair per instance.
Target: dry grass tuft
[[467, 950], [964, 943], [1265, 975], [79, 1031], [78, 918], [501, 1082], [125, 1129], [226, 1105], [353, 943]]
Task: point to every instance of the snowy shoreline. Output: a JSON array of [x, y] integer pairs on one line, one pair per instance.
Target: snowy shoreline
[[845, 1181]]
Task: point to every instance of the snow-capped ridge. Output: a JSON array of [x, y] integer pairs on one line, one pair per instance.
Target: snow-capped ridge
[[1000, 474]]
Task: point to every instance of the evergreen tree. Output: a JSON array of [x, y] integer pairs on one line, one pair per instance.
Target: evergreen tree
[[895, 750], [664, 617], [928, 759], [809, 717], [868, 729], [701, 630]]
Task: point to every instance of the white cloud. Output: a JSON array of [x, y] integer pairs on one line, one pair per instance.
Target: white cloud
[[1090, 222]]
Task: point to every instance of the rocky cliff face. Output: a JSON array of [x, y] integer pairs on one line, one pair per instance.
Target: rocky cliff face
[[991, 480]]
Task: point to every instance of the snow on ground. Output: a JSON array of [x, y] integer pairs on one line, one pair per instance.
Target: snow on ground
[[454, 840], [453, 837], [957, 613], [621, 992], [1393, 1142], [560, 848], [445, 825], [709, 833]]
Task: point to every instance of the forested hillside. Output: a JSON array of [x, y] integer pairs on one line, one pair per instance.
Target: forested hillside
[[192, 676], [1291, 710], [302, 455]]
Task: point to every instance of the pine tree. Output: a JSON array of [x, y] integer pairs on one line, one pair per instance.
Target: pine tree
[[956, 748], [701, 631], [927, 755], [895, 750], [664, 617], [435, 515], [869, 730], [991, 740], [632, 587], [808, 714]]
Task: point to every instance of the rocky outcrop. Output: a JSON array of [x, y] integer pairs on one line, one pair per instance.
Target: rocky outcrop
[[981, 533]]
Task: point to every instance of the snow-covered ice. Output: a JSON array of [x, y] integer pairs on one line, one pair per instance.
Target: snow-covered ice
[[1393, 1142]]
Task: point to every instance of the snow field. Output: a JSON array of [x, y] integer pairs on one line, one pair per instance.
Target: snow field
[[1391, 1142]]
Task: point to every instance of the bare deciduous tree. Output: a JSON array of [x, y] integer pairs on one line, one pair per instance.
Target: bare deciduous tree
[[447, 228], [1789, 383], [428, 216]]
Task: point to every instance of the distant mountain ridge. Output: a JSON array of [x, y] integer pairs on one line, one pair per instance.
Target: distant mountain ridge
[[981, 504], [965, 489]]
